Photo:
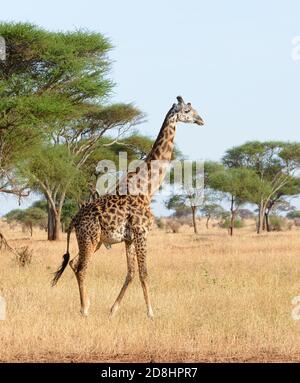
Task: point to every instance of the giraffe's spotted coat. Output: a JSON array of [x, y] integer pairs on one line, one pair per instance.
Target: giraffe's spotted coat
[[125, 218]]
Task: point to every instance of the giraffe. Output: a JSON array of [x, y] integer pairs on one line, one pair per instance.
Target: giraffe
[[127, 218]]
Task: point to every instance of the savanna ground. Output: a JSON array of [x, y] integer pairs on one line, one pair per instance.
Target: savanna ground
[[215, 298]]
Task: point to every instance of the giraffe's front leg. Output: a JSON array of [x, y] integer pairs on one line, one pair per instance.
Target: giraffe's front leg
[[140, 243], [130, 254]]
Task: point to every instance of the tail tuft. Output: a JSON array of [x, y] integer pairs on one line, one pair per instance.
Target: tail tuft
[[59, 272]]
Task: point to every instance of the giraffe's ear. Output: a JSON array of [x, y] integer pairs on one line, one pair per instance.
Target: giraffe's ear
[[180, 100]]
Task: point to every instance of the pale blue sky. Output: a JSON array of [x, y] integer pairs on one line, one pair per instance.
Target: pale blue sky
[[231, 59]]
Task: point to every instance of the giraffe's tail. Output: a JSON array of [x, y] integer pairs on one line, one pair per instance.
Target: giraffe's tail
[[66, 257], [59, 272]]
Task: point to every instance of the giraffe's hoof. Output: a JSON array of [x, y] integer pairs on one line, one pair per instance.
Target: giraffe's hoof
[[150, 314], [113, 310], [85, 309]]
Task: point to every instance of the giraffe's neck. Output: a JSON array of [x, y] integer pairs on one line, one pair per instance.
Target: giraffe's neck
[[163, 146], [160, 155], [152, 172]]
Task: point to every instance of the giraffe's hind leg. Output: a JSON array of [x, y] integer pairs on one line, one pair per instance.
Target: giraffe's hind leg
[[130, 254], [74, 262], [79, 265]]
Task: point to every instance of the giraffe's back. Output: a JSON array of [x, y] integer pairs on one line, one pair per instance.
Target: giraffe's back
[[110, 218]]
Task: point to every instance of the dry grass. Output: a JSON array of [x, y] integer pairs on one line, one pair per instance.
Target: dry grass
[[215, 298]]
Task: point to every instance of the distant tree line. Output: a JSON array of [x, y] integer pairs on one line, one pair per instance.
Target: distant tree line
[[262, 174]]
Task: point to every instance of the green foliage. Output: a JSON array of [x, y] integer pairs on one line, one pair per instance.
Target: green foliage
[[52, 167], [33, 216], [43, 81], [41, 204], [69, 209], [274, 162], [212, 210], [178, 203], [277, 223], [240, 183], [211, 168], [238, 223], [37, 213], [47, 78], [293, 214], [55, 61], [135, 145], [53, 87], [15, 215]]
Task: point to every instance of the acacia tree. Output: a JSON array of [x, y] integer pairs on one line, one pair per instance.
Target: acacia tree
[[51, 171], [274, 162], [58, 170], [25, 100], [46, 77], [211, 210], [29, 218], [278, 200], [65, 157], [191, 191], [240, 185], [177, 203], [53, 87]]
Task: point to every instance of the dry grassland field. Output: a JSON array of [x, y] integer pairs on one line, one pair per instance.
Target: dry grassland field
[[215, 298]]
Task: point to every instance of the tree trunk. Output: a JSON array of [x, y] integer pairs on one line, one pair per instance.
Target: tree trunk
[[54, 226], [267, 220], [194, 219], [207, 220], [261, 216], [51, 223], [231, 223], [268, 210], [232, 217], [57, 231]]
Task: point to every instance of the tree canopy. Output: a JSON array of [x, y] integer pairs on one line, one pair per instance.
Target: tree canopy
[[275, 164], [54, 111]]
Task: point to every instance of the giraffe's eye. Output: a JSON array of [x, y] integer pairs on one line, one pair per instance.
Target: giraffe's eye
[[186, 111]]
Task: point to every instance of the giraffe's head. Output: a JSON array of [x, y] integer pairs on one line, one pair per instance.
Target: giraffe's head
[[186, 113]]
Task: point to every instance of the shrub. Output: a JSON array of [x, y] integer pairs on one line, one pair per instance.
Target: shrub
[[160, 223], [23, 256], [277, 223], [293, 214], [238, 223], [185, 221], [173, 225], [297, 222]]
